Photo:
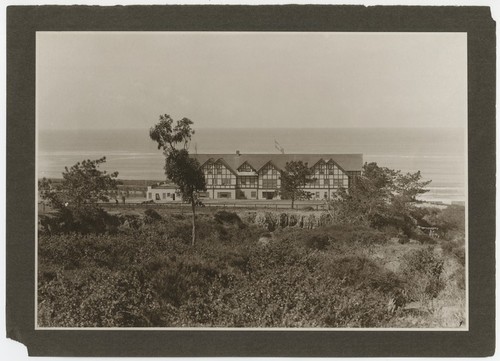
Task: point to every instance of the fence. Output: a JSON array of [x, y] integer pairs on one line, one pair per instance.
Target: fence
[[234, 205]]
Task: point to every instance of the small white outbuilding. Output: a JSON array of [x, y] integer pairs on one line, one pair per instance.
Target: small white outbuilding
[[163, 193]]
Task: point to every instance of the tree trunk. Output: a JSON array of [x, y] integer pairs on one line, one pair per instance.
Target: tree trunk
[[193, 208], [293, 199]]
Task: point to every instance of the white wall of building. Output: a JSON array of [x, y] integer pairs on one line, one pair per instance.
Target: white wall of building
[[162, 195]]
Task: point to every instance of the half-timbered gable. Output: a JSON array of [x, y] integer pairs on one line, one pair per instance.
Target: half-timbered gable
[[269, 177], [246, 167], [337, 177], [257, 176]]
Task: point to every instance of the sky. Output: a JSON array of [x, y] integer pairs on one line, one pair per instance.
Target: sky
[[125, 80]]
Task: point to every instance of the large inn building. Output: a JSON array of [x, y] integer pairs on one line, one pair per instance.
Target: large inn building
[[257, 176]]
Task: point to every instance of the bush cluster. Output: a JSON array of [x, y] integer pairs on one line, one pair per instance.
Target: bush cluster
[[150, 276], [423, 269], [146, 274]]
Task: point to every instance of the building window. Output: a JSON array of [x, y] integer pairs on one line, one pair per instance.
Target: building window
[[270, 183], [317, 194], [157, 196], [253, 194], [150, 195], [164, 195], [247, 182], [268, 195], [325, 195], [223, 194]]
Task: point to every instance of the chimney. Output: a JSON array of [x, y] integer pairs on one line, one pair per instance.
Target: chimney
[[238, 153]]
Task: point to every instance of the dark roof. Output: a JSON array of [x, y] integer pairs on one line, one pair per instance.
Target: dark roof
[[348, 162], [164, 185]]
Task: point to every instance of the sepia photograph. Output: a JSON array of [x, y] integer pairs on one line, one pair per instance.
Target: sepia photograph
[[251, 180]]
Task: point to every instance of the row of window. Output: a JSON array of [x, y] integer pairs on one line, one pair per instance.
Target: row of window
[[247, 182], [163, 196], [328, 182], [220, 181], [322, 167], [324, 175], [253, 194], [273, 183]]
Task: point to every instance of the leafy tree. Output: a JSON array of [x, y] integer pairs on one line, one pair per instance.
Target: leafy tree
[[450, 220], [380, 197], [183, 170], [293, 179], [77, 197], [408, 186]]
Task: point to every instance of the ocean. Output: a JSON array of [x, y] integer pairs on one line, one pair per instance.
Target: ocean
[[440, 154]]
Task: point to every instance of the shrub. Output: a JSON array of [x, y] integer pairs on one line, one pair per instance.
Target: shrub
[[403, 239], [459, 253], [459, 277], [95, 220], [95, 298], [424, 239], [318, 242], [151, 276], [422, 269], [227, 217], [131, 221], [455, 249], [151, 216]]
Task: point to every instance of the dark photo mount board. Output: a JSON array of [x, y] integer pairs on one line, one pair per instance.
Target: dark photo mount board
[[22, 24]]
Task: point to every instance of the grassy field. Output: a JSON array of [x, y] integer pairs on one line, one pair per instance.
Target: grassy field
[[142, 272]]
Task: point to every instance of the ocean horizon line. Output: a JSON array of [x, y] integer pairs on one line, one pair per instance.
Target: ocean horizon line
[[255, 128]]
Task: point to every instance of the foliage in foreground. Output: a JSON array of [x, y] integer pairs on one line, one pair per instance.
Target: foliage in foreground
[[149, 275]]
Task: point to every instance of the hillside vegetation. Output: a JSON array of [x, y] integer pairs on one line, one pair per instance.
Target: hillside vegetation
[[141, 271]]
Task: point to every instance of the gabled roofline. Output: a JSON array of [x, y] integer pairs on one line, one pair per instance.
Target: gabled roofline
[[227, 166], [251, 166], [269, 162], [319, 160], [208, 160], [338, 166], [213, 160]]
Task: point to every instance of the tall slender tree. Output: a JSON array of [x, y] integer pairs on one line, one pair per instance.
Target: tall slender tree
[[180, 168]]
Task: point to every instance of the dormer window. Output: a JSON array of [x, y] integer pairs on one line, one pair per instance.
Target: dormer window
[[245, 167]]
